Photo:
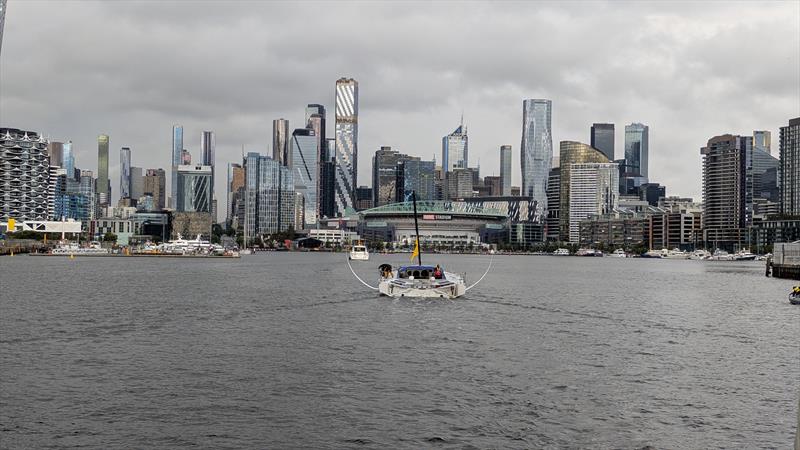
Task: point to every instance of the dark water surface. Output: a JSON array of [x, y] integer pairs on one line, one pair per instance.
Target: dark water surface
[[288, 350]]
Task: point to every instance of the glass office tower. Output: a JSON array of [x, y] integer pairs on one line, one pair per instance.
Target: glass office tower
[[536, 150], [570, 153], [637, 148], [306, 172], [505, 170], [269, 193], [103, 183], [602, 138], [455, 149]]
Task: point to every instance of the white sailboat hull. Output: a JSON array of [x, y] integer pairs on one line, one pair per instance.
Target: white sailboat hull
[[450, 287]]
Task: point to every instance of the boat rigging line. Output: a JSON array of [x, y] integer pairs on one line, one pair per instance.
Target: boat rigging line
[[484, 274], [359, 278]]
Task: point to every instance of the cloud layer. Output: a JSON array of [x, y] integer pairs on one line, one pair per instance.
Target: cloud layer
[[132, 69]]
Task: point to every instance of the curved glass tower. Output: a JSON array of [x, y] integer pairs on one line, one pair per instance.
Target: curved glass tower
[[536, 151]]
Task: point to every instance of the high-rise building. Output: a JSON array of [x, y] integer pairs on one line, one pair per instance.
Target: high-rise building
[[155, 184], [186, 158], [553, 204], [69, 160], [269, 196], [280, 141], [24, 176], [764, 168], [570, 153], [103, 182], [208, 145], [536, 150], [505, 170], [602, 138], [637, 149], [652, 193], [55, 151], [235, 188], [459, 183], [86, 189], [177, 149], [725, 191], [125, 172], [194, 189], [762, 140], [790, 167], [2, 21], [346, 143], [328, 180], [306, 172], [455, 149], [418, 176], [137, 182], [494, 185], [385, 165], [592, 191]]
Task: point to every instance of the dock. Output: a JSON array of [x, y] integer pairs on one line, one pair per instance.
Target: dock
[[785, 262]]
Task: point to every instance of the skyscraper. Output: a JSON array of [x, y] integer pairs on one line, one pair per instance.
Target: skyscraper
[[55, 151], [235, 185], [790, 167], [328, 180], [69, 160], [269, 196], [637, 149], [306, 172], [505, 170], [194, 189], [385, 166], [536, 150], [346, 143], [455, 149], [177, 148], [280, 141], [208, 146], [124, 172], [137, 182], [592, 191], [417, 176], [570, 153], [155, 184], [103, 183], [24, 176], [602, 138], [553, 204], [725, 191]]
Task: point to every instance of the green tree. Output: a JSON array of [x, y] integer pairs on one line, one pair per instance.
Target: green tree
[[110, 237]]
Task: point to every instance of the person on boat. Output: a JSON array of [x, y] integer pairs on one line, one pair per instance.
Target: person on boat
[[437, 272], [796, 290]]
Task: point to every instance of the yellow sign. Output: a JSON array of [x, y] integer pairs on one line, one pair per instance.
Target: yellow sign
[[11, 225]]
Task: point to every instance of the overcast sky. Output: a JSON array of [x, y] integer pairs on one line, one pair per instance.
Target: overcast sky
[[132, 69]]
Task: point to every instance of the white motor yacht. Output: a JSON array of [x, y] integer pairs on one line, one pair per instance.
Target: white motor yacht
[[674, 254], [618, 253], [700, 255], [561, 252], [744, 255], [721, 255], [359, 253]]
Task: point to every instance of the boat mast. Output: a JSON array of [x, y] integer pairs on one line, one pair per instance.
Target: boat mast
[[416, 226]]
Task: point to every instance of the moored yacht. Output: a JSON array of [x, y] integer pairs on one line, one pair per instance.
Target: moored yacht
[[744, 255], [618, 253], [674, 254], [359, 253], [699, 255], [561, 252]]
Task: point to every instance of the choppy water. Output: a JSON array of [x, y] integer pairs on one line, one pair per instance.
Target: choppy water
[[287, 350]]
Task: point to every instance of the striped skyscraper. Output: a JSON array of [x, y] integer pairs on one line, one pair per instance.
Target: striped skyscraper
[[346, 142]]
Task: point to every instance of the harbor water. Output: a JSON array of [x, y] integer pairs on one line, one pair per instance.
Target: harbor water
[[288, 350]]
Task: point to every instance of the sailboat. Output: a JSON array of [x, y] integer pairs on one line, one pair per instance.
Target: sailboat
[[419, 280]]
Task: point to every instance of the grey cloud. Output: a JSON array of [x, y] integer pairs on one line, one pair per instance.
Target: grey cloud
[[132, 69]]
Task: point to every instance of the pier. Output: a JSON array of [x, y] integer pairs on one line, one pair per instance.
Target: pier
[[785, 262]]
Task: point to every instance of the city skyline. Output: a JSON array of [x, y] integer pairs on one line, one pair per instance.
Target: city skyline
[[408, 107]]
